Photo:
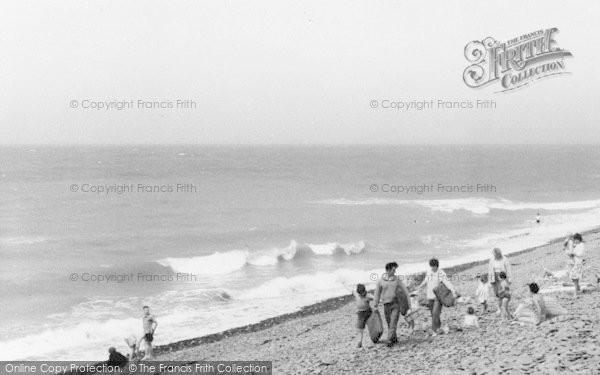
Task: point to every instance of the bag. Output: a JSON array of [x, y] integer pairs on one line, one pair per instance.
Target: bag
[[375, 326], [444, 295], [403, 302]]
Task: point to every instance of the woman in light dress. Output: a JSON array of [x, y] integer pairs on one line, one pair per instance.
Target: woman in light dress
[[498, 263]]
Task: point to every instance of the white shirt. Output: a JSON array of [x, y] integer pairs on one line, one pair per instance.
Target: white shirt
[[578, 252], [483, 292], [433, 279], [501, 265]]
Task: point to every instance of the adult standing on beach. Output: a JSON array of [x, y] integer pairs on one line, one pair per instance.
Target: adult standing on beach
[[149, 323], [576, 253], [433, 277], [386, 291], [498, 263]]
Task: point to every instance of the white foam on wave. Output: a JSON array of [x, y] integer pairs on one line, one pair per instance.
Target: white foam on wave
[[89, 328], [328, 284], [214, 264], [65, 342], [527, 235], [531, 234], [475, 205], [332, 248], [234, 260]]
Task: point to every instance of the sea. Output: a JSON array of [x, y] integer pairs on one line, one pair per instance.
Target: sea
[[216, 237]]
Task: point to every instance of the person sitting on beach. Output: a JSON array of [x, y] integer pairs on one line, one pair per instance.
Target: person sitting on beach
[[363, 310], [470, 319], [504, 295], [433, 277], [386, 291], [498, 263], [562, 273], [537, 308], [115, 358], [483, 292]]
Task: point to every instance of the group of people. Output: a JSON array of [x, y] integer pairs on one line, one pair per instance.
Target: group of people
[[396, 300], [149, 324]]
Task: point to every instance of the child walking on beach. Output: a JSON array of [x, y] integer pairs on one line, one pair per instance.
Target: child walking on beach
[[483, 292], [363, 310]]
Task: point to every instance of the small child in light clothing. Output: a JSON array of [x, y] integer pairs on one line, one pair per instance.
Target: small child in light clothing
[[363, 310], [413, 312], [131, 341], [470, 319], [483, 291], [504, 294]]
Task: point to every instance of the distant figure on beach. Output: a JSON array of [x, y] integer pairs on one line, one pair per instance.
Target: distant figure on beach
[[470, 319], [537, 308], [576, 253], [483, 292], [434, 277], [149, 324], [363, 310], [538, 219], [498, 263], [115, 358], [386, 291]]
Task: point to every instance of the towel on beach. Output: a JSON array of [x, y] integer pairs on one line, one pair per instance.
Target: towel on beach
[[561, 288], [553, 308]]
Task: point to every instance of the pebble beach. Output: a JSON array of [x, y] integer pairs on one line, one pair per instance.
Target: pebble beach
[[321, 338]]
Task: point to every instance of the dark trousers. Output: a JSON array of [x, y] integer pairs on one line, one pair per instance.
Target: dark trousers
[[392, 313], [435, 306]]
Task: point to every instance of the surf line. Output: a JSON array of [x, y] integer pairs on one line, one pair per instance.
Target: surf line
[[439, 188]]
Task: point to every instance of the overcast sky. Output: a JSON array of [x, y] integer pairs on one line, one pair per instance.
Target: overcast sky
[[274, 71]]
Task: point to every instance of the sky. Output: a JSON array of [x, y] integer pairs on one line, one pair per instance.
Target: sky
[[285, 72]]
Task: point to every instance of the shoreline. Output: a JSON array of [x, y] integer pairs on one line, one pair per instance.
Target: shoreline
[[330, 304]]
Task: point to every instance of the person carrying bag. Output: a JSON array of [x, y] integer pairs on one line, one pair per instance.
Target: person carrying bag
[[440, 292]]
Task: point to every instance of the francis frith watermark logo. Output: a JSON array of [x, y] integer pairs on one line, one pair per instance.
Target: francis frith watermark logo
[[515, 63]]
